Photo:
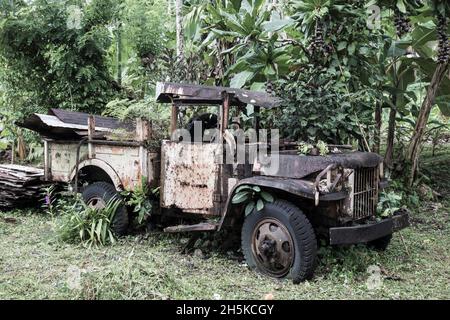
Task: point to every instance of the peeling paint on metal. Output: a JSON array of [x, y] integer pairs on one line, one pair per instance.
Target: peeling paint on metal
[[189, 176]]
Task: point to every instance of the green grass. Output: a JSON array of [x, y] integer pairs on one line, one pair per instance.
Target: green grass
[[35, 265]]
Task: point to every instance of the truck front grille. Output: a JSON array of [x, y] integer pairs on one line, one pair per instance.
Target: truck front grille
[[365, 192]]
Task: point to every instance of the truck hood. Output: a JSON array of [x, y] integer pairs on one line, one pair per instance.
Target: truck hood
[[299, 166]]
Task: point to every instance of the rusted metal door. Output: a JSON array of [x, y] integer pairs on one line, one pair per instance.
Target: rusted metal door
[[189, 176]]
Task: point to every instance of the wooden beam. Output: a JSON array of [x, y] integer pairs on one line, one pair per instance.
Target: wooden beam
[[173, 118], [226, 111], [91, 133]]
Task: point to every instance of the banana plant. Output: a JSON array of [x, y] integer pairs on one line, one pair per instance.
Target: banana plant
[[243, 34], [418, 51]]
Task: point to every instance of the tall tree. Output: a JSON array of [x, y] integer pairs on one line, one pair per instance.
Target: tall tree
[[422, 119], [55, 54], [179, 29], [441, 9]]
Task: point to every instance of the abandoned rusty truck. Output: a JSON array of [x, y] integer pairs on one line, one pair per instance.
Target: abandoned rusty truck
[[304, 198]]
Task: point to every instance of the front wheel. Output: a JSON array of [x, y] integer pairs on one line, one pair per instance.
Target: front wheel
[[279, 241]]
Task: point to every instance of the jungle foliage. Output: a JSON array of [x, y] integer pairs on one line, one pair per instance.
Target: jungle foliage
[[347, 75]]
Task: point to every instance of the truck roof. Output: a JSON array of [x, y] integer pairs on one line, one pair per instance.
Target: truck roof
[[167, 92], [65, 124]]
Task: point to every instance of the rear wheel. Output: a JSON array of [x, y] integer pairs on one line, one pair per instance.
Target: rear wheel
[[279, 241], [97, 195]]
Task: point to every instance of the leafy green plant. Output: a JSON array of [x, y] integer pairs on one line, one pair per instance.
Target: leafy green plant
[[389, 203], [305, 148], [141, 200], [48, 62], [82, 223], [7, 129], [323, 148], [252, 197], [242, 36]]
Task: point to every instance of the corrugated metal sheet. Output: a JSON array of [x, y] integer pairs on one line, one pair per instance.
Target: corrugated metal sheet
[[51, 127], [62, 124], [197, 94], [81, 118]]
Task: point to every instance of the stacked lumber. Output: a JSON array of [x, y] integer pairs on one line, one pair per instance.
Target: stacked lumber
[[19, 185]]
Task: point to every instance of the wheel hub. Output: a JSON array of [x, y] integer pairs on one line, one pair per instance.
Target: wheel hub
[[272, 247], [96, 203]]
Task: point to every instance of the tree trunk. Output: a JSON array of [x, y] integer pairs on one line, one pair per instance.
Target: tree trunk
[[13, 151], [389, 156], [21, 149], [179, 29], [377, 134], [119, 54], [169, 7], [424, 113]]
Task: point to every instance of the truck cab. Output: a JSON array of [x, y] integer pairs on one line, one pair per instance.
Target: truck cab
[[333, 196]]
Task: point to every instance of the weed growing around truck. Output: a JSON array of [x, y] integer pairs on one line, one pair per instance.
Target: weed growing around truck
[[91, 226], [35, 264]]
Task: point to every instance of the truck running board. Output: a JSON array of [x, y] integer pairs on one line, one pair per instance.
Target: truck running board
[[205, 226]]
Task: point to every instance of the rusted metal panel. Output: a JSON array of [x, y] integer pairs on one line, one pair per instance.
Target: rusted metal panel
[[81, 118], [298, 166], [362, 233], [193, 227], [154, 168], [46, 162], [301, 188], [62, 159], [189, 174], [198, 94], [127, 161], [62, 124], [52, 127], [98, 165]]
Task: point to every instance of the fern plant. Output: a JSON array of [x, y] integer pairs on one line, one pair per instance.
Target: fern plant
[[252, 197]]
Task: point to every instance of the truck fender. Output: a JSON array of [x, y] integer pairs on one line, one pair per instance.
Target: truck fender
[[296, 187], [101, 165]]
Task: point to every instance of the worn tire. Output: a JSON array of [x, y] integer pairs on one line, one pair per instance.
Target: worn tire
[[380, 244], [300, 230], [107, 191]]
